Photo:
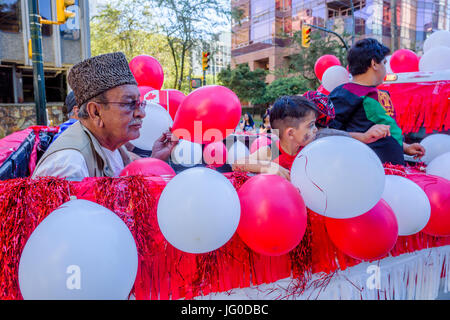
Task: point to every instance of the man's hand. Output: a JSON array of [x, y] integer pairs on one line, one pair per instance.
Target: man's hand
[[415, 149], [162, 148], [376, 132], [275, 168]]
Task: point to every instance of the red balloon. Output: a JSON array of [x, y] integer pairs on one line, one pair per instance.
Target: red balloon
[[404, 60], [175, 99], [207, 114], [321, 89], [369, 236], [148, 167], [215, 154], [323, 63], [144, 90], [147, 71], [437, 190], [267, 225], [262, 141]]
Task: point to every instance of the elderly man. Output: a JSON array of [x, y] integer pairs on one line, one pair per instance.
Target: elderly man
[[110, 115]]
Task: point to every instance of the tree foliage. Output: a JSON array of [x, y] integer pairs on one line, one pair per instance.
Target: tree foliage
[[187, 24], [248, 85], [302, 63], [285, 86]]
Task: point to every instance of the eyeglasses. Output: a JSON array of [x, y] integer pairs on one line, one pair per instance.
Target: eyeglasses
[[129, 106]]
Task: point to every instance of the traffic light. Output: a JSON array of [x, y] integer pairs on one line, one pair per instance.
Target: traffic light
[[61, 13], [205, 60], [306, 36]]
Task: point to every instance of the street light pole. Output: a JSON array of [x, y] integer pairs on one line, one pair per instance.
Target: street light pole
[[330, 31], [38, 64]]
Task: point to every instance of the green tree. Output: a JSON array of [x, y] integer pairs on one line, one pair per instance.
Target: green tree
[[127, 26], [302, 63], [248, 85], [187, 24], [285, 86]]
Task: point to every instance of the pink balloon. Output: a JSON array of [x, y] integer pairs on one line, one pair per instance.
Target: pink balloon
[[147, 71], [323, 63], [215, 154], [262, 141], [148, 167], [404, 60]]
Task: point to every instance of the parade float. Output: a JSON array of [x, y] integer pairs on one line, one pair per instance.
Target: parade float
[[356, 230]]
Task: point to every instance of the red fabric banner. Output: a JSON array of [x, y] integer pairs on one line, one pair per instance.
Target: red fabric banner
[[421, 104]]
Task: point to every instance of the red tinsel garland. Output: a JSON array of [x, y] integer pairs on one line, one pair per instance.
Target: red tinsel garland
[[165, 272]]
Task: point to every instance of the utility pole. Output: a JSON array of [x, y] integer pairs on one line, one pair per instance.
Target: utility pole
[[394, 41], [353, 21], [38, 64]]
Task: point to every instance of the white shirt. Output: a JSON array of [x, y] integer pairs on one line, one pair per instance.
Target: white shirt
[[70, 164]]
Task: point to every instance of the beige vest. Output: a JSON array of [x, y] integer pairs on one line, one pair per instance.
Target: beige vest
[[79, 138]]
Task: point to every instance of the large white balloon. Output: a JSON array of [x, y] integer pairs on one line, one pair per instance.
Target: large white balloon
[[187, 153], [409, 203], [157, 120], [435, 145], [435, 59], [338, 177], [335, 76], [199, 210], [440, 166], [237, 151], [79, 251], [437, 39]]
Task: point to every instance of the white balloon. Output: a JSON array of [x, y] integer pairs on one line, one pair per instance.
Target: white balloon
[[237, 151], [435, 145], [199, 210], [335, 76], [79, 251], [187, 153], [409, 203], [435, 59], [437, 39], [338, 177], [440, 166], [157, 120]]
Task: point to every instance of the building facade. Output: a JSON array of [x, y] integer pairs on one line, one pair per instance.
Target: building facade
[[62, 45], [220, 49], [261, 37]]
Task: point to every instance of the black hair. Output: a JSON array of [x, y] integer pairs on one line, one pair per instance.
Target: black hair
[[288, 111], [361, 54], [250, 119]]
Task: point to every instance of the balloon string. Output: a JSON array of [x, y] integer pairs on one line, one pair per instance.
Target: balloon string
[[326, 198], [431, 180]]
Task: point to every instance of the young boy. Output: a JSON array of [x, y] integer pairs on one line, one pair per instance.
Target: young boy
[[359, 105], [293, 118]]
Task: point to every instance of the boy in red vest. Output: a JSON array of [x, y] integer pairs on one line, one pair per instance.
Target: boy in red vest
[[294, 118]]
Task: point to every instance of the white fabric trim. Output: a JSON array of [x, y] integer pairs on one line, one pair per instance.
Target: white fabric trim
[[411, 276]]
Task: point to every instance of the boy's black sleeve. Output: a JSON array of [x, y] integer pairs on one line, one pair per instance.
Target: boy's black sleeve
[[345, 105]]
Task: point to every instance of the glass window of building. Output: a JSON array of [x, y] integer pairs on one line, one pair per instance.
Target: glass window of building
[[10, 17], [71, 29], [45, 11]]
